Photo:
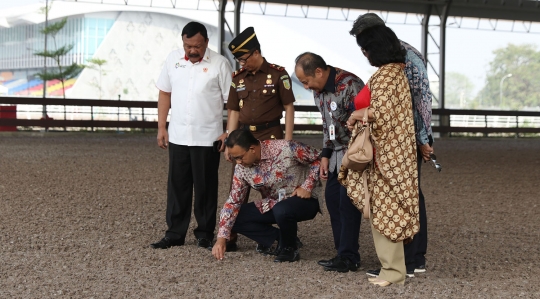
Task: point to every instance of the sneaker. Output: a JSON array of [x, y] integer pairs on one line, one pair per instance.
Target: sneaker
[[420, 269], [375, 273]]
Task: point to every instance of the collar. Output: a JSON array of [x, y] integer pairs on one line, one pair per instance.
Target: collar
[[265, 68], [330, 85], [265, 152]]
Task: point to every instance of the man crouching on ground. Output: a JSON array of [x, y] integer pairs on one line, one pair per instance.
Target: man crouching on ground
[[286, 173]]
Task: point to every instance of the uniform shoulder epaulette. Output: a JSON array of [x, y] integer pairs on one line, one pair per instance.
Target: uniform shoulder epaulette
[[277, 67], [237, 72]]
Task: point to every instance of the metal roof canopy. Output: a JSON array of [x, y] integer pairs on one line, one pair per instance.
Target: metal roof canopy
[[522, 10], [513, 10]]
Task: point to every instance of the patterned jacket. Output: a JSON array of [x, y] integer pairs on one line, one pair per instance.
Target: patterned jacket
[[416, 72], [340, 88], [286, 164]]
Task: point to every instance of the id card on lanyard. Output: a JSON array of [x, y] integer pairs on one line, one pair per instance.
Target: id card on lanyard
[[332, 128]]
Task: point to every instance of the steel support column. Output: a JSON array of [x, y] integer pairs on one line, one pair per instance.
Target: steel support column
[[425, 32], [237, 7], [442, 56], [221, 27], [444, 119]]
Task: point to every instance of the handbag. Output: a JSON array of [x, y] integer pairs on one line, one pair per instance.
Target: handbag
[[360, 151]]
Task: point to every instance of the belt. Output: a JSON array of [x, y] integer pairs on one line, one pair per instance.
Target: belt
[[255, 128]]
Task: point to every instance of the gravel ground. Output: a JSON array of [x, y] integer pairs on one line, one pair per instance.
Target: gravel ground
[[78, 212]]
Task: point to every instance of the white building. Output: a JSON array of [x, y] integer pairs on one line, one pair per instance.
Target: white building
[[133, 40]]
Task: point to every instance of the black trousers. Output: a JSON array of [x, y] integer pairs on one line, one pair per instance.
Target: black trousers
[[192, 168], [286, 214], [345, 218], [416, 250]]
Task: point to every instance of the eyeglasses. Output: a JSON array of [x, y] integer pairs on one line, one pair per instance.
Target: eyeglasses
[[244, 60], [239, 158], [433, 161]]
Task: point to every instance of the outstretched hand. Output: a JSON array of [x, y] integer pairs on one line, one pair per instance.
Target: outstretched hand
[[218, 251]]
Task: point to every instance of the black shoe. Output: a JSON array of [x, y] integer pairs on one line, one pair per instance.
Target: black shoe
[[287, 254], [166, 243], [267, 250], [342, 265], [231, 247], [375, 273], [326, 263], [204, 243], [261, 248], [420, 269]]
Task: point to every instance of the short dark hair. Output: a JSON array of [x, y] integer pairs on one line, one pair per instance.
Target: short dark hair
[[382, 45], [192, 28], [242, 138], [310, 62]]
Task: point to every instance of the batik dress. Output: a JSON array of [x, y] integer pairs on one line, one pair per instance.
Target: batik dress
[[392, 178]]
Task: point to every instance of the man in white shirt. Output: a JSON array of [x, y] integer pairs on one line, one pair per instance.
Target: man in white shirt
[[194, 85]]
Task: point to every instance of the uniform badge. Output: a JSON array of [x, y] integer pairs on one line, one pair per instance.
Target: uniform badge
[[205, 69], [233, 85], [284, 77], [268, 81], [241, 104], [264, 91], [269, 76], [241, 86], [273, 91], [287, 84]]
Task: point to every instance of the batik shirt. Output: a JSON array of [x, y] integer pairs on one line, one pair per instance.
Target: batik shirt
[[340, 88], [416, 72], [284, 164]]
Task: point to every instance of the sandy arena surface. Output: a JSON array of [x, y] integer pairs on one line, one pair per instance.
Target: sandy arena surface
[[78, 211]]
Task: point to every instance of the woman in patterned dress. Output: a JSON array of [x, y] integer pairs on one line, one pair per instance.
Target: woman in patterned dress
[[392, 176]]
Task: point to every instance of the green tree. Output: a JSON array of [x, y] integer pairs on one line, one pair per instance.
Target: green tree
[[458, 91], [63, 73], [97, 65], [521, 88]]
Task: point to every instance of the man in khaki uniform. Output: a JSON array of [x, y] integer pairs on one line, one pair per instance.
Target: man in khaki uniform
[[259, 93]]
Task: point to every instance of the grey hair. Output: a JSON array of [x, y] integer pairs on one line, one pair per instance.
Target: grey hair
[[365, 21]]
